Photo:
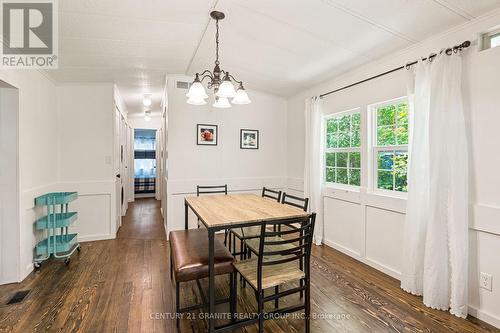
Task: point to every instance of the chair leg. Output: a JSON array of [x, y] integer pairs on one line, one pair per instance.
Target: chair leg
[[241, 249], [301, 264], [225, 237], [234, 295], [244, 251], [308, 305], [276, 301], [261, 311], [234, 245], [177, 304]]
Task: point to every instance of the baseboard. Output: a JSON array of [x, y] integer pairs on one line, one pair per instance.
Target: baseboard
[[343, 249], [372, 263], [484, 316], [92, 238]]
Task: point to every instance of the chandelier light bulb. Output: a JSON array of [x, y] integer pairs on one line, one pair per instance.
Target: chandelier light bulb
[[221, 103], [196, 91], [226, 89], [241, 96]]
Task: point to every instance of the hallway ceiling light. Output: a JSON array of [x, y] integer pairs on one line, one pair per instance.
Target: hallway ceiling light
[[147, 115], [219, 80], [146, 101]]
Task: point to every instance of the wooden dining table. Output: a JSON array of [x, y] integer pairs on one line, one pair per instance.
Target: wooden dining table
[[221, 212]]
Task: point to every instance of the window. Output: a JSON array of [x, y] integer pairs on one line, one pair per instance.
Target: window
[[495, 40], [342, 149], [490, 39], [390, 148]]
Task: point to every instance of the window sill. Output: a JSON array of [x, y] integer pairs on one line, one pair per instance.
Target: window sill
[[389, 194], [340, 187], [377, 199]]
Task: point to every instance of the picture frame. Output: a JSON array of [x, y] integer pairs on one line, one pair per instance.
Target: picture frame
[[249, 139], [206, 135]]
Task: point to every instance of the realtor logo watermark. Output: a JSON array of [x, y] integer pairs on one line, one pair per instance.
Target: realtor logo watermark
[[29, 34]]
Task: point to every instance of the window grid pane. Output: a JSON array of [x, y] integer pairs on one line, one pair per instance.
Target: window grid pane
[[495, 40], [343, 156], [392, 170], [392, 124]]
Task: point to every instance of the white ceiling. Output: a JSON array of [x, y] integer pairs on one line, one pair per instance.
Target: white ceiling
[[278, 46]]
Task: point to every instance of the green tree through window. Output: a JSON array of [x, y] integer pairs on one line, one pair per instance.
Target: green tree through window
[[342, 152], [391, 150]]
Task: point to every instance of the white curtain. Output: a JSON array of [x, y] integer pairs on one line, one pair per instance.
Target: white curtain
[[313, 163], [436, 227]]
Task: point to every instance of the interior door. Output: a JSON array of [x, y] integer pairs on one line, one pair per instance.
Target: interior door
[[123, 165], [118, 181]]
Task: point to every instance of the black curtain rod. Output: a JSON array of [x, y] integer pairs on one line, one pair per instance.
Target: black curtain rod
[[448, 51]]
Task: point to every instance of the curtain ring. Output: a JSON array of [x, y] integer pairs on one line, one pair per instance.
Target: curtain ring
[[408, 66]]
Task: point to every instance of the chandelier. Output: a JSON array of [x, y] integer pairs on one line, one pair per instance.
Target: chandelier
[[218, 80]]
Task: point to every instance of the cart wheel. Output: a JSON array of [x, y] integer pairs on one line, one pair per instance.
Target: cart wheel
[[67, 261], [79, 249], [37, 265]]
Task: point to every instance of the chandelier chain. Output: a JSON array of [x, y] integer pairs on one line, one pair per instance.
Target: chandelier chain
[[217, 42]]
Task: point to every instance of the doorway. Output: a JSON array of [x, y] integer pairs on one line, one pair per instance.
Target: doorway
[[144, 163], [9, 184]]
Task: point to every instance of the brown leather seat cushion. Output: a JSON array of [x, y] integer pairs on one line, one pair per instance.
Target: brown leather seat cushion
[[190, 255]]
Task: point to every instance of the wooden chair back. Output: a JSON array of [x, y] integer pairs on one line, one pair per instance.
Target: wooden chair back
[[299, 243], [211, 189], [273, 194], [292, 200]]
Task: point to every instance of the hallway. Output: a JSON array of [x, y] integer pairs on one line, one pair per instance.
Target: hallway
[[143, 221]]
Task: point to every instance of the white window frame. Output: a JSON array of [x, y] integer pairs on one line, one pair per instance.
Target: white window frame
[[342, 150], [486, 38], [374, 148]]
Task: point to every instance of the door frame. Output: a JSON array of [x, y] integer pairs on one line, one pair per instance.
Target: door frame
[[10, 241]]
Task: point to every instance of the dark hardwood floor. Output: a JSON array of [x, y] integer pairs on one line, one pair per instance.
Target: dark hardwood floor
[[123, 285]]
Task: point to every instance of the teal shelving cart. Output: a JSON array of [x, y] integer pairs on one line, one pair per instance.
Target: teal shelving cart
[[58, 242]]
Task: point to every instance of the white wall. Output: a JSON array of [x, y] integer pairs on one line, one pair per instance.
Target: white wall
[[37, 154], [9, 184], [85, 119], [368, 226], [242, 169]]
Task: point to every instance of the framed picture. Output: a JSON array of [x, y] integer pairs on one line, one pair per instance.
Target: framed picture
[[249, 139], [206, 135]]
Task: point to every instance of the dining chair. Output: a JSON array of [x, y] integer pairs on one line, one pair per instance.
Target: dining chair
[[295, 201], [189, 261], [278, 263], [212, 189], [252, 245], [189, 258], [247, 233]]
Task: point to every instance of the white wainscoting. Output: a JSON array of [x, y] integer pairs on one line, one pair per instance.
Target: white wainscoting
[[178, 189], [369, 227], [96, 209]]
